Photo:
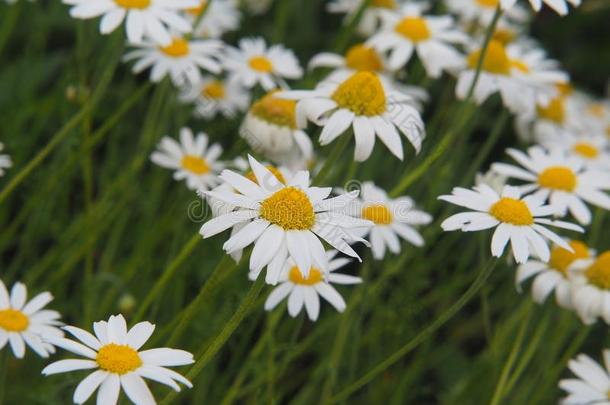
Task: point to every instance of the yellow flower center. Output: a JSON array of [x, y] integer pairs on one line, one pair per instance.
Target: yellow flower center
[[414, 28], [196, 11], [214, 90], [141, 4], [496, 60], [276, 111], [512, 211], [178, 48], [504, 36], [278, 175], [195, 164], [520, 65], [598, 273], [315, 276], [586, 150], [261, 64], [564, 88], [608, 131], [289, 208], [554, 111], [488, 3], [558, 178], [118, 359], [377, 213], [12, 320], [597, 110], [561, 258], [362, 94], [391, 4], [361, 57]]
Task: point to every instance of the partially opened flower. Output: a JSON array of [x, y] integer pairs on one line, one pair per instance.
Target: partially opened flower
[[25, 323], [365, 103], [592, 385], [591, 288], [560, 6], [219, 16], [213, 96], [192, 159], [305, 291], [152, 19], [564, 180], [515, 219], [115, 356], [5, 161]]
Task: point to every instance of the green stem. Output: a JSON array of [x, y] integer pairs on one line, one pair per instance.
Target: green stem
[[4, 356], [9, 23], [347, 31], [331, 160]]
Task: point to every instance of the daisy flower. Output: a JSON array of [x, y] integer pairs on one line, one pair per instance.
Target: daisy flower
[[191, 158], [181, 60], [254, 63], [220, 16], [305, 291], [432, 37], [591, 288], [592, 385], [270, 127], [114, 353], [364, 102], [212, 96], [5, 161], [553, 276], [517, 219], [283, 220], [359, 57], [560, 6], [151, 19], [481, 12], [563, 180], [24, 323], [492, 179], [371, 18], [392, 219], [593, 150]]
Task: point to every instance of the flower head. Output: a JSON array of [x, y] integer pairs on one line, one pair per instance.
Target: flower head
[[592, 385]]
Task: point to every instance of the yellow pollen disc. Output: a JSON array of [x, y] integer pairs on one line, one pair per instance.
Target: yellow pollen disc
[[564, 88], [558, 178], [195, 164], [586, 150], [562, 258], [554, 111], [361, 57], [488, 3], [362, 94], [12, 320], [178, 48], [289, 208], [520, 65], [496, 60], [315, 276], [504, 36], [278, 175], [276, 111], [512, 211], [261, 64], [391, 4], [141, 4], [378, 213], [414, 28], [597, 110], [118, 359], [214, 90], [598, 273], [196, 11]]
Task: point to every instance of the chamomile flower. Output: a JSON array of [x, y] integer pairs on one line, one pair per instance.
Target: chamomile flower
[[25, 323], [5, 161], [182, 60], [283, 220], [371, 18], [212, 96], [553, 276], [114, 355], [480, 12], [433, 38], [192, 159], [592, 385], [393, 219], [563, 180], [220, 16], [364, 102], [254, 63], [270, 127], [593, 150], [494, 180], [591, 288], [359, 57], [152, 19], [305, 291], [560, 6], [515, 219]]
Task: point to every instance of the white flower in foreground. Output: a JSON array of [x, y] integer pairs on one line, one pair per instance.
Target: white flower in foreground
[[181, 60], [433, 38], [283, 220], [593, 150], [392, 219], [192, 159], [518, 220], [306, 291], [553, 276], [364, 102], [151, 19], [5, 161], [24, 322], [591, 288], [220, 16], [592, 387], [213, 96], [253, 63], [560, 6], [563, 180], [114, 353]]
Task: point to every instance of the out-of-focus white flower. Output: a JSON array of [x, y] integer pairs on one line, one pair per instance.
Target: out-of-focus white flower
[[212, 96], [5, 161], [220, 16]]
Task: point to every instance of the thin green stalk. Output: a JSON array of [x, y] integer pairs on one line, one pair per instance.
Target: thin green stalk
[[9, 23], [331, 159], [347, 31], [224, 335], [4, 356]]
